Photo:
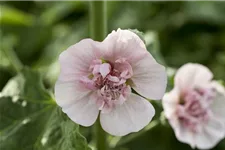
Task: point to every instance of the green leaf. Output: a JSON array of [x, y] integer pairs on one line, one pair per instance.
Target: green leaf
[[61, 134], [8, 58], [21, 123], [12, 16], [30, 119], [28, 86]]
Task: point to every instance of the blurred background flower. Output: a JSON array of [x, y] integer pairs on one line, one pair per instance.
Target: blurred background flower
[[195, 107]]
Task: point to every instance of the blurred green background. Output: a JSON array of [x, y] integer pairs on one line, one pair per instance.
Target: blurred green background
[[175, 33]]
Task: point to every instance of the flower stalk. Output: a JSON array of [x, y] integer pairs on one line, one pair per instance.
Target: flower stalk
[[98, 30], [98, 23]]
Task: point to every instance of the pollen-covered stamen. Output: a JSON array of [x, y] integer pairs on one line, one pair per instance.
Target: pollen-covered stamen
[[194, 107], [109, 80]]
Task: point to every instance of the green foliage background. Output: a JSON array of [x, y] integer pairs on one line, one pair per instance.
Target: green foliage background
[[175, 33]]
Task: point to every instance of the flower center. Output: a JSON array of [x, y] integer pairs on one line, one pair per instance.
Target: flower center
[[109, 79], [194, 108]]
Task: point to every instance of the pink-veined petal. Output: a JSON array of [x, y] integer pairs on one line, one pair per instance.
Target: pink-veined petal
[[66, 93], [149, 78], [113, 78], [83, 111], [124, 44], [124, 67], [133, 115], [76, 60], [77, 102]]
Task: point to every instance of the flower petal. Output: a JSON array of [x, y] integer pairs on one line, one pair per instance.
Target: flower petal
[[77, 102], [124, 44], [149, 78], [105, 69], [191, 74], [182, 134], [170, 102], [76, 60], [211, 134], [133, 115], [218, 105], [66, 93], [83, 111]]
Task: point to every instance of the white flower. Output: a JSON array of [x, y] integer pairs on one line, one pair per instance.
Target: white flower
[[195, 107], [98, 77]]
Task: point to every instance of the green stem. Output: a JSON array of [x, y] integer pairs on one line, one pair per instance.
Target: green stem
[[98, 21], [100, 137], [98, 29]]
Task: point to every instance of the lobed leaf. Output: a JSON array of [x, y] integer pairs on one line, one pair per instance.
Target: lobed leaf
[[30, 119]]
